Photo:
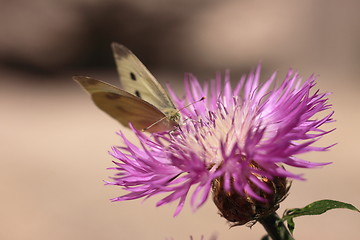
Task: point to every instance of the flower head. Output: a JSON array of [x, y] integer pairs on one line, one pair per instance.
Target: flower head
[[244, 136]]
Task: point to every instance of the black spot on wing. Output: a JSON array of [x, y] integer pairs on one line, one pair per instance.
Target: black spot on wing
[[137, 93], [132, 76]]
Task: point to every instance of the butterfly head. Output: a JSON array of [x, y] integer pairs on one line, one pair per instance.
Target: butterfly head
[[173, 115]]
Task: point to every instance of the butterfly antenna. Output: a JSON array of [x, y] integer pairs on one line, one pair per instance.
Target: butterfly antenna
[[161, 119], [201, 99], [153, 124]]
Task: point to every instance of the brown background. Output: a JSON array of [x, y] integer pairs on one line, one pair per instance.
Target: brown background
[[54, 142]]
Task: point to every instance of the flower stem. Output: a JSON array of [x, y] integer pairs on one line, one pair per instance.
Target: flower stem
[[275, 227]]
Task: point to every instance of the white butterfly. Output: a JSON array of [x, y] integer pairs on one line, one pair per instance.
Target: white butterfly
[[141, 101]]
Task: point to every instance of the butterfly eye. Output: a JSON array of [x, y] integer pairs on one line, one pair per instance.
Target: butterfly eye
[[137, 93], [132, 76]]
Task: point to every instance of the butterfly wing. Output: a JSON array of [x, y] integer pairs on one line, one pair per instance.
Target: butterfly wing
[[123, 106], [136, 79]]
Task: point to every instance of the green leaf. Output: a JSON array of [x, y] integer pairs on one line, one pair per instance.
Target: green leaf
[[291, 225], [315, 208]]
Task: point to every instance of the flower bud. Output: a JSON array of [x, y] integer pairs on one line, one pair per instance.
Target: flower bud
[[242, 208]]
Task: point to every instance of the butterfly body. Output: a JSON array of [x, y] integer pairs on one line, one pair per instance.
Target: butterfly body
[[141, 101], [172, 114]]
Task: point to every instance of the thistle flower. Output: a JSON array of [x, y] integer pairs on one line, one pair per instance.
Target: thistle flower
[[238, 141]]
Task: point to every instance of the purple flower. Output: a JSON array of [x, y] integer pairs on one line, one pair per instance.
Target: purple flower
[[236, 134]]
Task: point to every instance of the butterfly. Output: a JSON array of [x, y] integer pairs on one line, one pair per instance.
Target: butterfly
[[141, 101]]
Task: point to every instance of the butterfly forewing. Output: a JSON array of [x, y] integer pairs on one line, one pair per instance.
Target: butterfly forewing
[[136, 79]]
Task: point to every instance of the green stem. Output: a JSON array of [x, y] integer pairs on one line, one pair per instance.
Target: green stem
[[275, 228]]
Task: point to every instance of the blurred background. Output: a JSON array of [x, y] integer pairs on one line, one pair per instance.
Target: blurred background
[[54, 141]]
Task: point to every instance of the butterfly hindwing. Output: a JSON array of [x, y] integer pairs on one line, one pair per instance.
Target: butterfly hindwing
[[126, 110], [124, 107], [92, 86]]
